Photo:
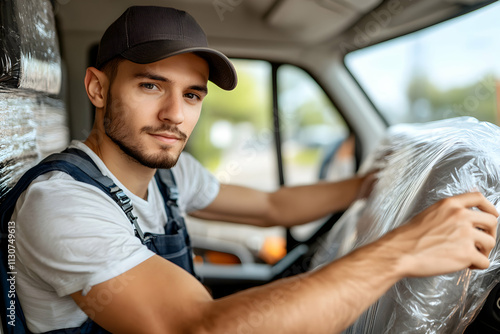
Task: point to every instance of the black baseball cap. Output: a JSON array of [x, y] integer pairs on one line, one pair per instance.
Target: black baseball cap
[[145, 34]]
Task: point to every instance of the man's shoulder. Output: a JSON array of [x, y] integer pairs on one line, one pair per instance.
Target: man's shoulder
[[59, 189]]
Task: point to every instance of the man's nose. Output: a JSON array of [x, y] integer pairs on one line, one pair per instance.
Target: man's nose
[[172, 110]]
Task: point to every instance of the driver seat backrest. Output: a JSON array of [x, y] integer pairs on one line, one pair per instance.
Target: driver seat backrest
[[421, 165]]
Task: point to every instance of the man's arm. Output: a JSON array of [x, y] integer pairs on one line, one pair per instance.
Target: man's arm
[[288, 206], [159, 297]]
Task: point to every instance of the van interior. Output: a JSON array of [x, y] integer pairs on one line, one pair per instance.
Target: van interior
[[303, 112]]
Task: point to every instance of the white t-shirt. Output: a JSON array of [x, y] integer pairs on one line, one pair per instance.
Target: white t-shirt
[[71, 236]]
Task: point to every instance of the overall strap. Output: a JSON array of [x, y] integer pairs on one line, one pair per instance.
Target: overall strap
[[176, 224], [168, 188], [104, 183]]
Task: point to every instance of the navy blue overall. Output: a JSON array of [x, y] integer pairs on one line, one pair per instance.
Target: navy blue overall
[[174, 245]]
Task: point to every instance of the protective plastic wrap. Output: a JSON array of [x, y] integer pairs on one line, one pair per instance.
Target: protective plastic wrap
[[31, 126], [421, 165], [32, 123], [29, 52]]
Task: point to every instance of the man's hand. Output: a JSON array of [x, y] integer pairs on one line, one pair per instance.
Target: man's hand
[[446, 237], [367, 184]]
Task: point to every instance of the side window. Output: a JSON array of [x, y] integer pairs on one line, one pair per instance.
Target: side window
[[235, 140], [312, 130], [234, 136], [316, 140]]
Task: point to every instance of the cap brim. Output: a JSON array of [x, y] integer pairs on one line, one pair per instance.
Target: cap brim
[[222, 72]]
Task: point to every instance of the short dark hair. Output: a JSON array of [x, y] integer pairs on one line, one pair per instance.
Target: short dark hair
[[110, 68]]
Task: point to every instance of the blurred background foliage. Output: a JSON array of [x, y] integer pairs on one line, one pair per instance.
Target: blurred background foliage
[[237, 106], [429, 103]]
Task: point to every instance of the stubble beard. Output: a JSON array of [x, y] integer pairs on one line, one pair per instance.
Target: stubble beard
[[116, 129]]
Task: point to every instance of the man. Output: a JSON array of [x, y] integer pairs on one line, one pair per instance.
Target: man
[[78, 256]]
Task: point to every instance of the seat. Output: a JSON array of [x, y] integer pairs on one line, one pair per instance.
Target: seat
[[422, 164]]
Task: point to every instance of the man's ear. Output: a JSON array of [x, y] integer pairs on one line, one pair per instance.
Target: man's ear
[[96, 84]]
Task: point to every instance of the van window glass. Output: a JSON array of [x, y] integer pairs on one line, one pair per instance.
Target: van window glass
[[311, 128], [234, 136], [234, 139], [448, 70], [316, 141]]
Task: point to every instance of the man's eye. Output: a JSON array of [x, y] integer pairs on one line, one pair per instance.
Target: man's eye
[[149, 86], [192, 96]]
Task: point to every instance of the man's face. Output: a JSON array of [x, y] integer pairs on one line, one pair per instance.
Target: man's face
[[152, 109]]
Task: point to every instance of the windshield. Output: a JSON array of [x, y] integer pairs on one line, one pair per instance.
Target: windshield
[[448, 70]]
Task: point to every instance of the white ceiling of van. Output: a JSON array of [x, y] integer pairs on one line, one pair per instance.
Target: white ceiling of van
[[313, 21], [304, 21], [278, 23]]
